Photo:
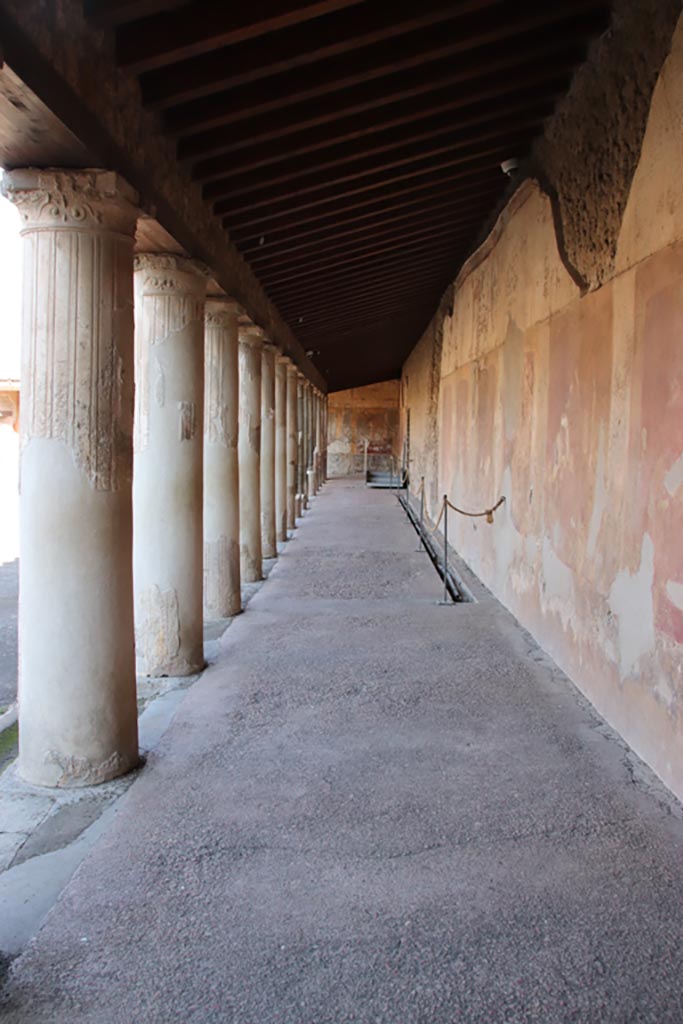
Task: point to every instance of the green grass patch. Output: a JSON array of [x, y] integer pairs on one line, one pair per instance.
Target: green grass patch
[[9, 743]]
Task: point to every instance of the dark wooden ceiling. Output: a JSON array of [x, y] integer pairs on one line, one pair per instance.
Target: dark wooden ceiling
[[352, 148]]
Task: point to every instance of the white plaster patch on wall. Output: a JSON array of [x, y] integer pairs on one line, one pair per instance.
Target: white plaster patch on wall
[[630, 598], [674, 591], [674, 477], [599, 497], [557, 586], [508, 545]]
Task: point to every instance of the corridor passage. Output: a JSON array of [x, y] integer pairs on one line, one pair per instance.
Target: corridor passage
[[373, 808]]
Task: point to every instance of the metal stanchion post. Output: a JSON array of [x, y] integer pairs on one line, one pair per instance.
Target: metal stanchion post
[[420, 541], [445, 549]]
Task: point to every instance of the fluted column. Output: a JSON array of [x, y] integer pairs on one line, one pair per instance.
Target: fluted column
[[325, 420], [268, 519], [77, 707], [292, 444], [167, 489], [281, 447], [308, 447], [317, 440], [222, 595], [300, 459], [251, 556]]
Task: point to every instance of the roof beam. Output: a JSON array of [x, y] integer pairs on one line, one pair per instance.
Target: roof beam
[[367, 172], [436, 225], [251, 153], [424, 212], [336, 34], [298, 306], [370, 71], [329, 150], [161, 39], [441, 183]]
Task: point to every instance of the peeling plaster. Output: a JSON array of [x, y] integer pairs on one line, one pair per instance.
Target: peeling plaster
[[557, 586], [158, 628], [674, 477], [600, 497], [630, 598], [674, 591]]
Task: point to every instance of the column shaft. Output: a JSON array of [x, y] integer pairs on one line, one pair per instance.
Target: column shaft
[[167, 489], [222, 580], [308, 447], [292, 445], [281, 447], [268, 518], [301, 465], [250, 340], [77, 708]]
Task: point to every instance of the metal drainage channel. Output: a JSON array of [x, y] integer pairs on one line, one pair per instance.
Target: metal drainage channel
[[455, 590]]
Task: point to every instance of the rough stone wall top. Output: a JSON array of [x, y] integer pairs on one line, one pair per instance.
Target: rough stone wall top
[[590, 149]]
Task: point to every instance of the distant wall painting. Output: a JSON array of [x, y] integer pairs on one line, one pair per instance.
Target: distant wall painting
[[360, 417]]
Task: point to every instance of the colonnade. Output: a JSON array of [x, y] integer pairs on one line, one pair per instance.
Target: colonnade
[[167, 449]]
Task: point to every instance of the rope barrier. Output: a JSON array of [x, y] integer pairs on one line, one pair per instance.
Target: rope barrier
[[488, 512]]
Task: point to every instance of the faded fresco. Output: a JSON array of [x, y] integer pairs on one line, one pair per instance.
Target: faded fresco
[[571, 406], [359, 415]]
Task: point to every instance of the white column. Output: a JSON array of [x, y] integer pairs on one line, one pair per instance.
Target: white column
[[281, 447], [268, 519], [308, 447], [300, 460], [317, 440], [250, 341], [222, 595], [292, 444], [324, 469], [77, 702], [167, 489]]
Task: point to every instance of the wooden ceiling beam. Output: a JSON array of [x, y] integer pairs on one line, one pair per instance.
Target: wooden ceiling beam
[[467, 146], [368, 76], [373, 270], [353, 208], [335, 35], [421, 240], [437, 225], [298, 306], [158, 40], [422, 299], [221, 147], [426, 211], [284, 164]]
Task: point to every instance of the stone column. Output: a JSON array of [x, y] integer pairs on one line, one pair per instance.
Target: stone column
[[308, 447], [268, 519], [300, 465], [317, 440], [251, 555], [292, 444], [77, 708], [326, 421], [222, 596], [167, 491], [281, 447]]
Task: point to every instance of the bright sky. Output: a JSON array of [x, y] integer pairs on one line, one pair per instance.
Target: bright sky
[[10, 289]]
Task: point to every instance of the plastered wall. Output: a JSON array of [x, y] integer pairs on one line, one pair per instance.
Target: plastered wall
[[358, 414], [571, 405]]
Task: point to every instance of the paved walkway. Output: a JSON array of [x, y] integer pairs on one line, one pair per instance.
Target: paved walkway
[[373, 809]]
